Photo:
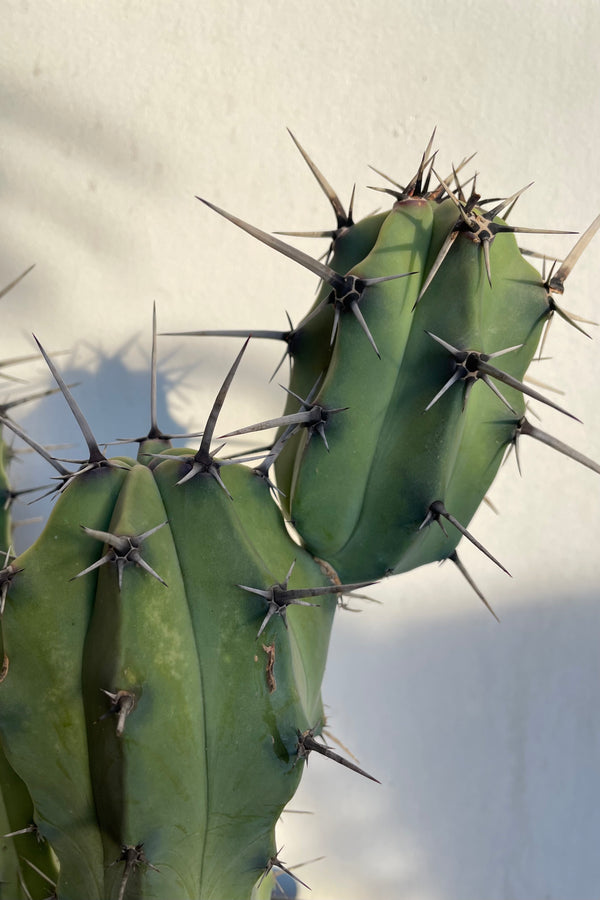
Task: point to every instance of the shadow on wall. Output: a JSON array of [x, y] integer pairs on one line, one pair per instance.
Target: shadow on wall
[[114, 396], [70, 151], [487, 743]]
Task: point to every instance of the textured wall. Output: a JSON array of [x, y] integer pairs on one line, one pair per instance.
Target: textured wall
[[114, 115]]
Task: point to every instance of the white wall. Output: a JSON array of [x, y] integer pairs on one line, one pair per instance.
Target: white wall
[[114, 115]]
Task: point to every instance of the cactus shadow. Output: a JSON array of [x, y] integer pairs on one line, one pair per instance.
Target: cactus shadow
[[487, 743], [113, 391]]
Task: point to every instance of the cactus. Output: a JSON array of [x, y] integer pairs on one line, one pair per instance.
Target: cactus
[[445, 299], [160, 652], [165, 638]]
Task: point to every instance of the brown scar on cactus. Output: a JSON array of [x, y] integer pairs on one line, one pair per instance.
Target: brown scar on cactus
[[437, 511], [473, 365], [307, 743], [125, 549], [122, 704], [269, 649], [347, 291]]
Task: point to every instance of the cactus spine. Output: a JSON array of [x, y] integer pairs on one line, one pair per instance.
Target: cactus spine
[[177, 629]]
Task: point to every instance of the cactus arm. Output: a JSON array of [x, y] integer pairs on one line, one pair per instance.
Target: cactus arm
[[250, 737], [358, 380], [311, 347], [141, 642], [309, 629], [20, 842], [419, 441], [44, 625], [507, 313]]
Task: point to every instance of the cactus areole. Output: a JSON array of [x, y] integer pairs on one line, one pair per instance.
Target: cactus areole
[[165, 638]]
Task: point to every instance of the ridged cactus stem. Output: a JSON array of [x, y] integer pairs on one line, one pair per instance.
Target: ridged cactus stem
[[176, 737]]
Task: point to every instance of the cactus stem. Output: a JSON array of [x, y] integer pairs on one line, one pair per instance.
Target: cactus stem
[[269, 649], [122, 704], [124, 550], [437, 511], [454, 558], [307, 743]]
